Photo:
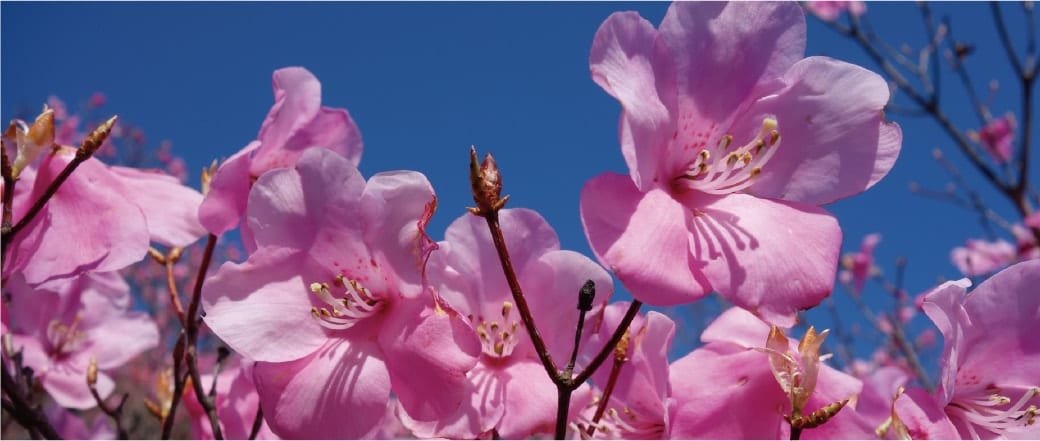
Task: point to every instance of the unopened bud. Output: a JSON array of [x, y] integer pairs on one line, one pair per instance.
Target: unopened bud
[[207, 176], [32, 141], [487, 184], [96, 138], [92, 372], [586, 295]]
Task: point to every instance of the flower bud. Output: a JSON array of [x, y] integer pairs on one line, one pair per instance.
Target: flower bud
[[32, 140], [96, 138], [92, 372], [487, 185], [586, 295]]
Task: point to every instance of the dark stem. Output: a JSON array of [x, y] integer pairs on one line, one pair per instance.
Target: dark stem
[[563, 405], [518, 297], [192, 332], [796, 433], [258, 420], [601, 408], [9, 183], [222, 355], [46, 196], [178, 386], [115, 414], [27, 415], [608, 348], [1005, 38], [585, 298]]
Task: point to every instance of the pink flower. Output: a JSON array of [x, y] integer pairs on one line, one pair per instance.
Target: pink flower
[[508, 390], [981, 257], [333, 304], [102, 218], [830, 10], [296, 122], [237, 402], [996, 137], [59, 331], [856, 268], [71, 426], [726, 389], [991, 356], [714, 199], [98, 99], [637, 407]]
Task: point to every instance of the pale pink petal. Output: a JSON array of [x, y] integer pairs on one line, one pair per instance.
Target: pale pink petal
[[483, 412], [923, 416], [91, 242], [722, 51], [551, 285], [170, 208], [643, 238], [341, 391], [417, 327], [530, 399], [68, 386], [392, 206], [944, 306], [642, 383], [224, 205], [835, 141], [305, 206], [773, 258], [629, 62], [261, 308], [297, 122], [121, 338]]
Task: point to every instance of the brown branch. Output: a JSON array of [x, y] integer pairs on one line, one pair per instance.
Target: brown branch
[[114, 413], [258, 420], [26, 414]]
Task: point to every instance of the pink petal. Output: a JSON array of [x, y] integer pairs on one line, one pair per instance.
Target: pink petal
[[722, 51], [91, 243], [341, 391], [122, 338], [643, 239], [486, 406], [419, 326], [642, 383], [530, 402], [261, 308], [704, 381], [301, 207], [631, 65], [835, 141], [737, 326], [297, 122], [224, 205], [68, 386], [392, 207], [170, 208], [773, 258], [923, 416]]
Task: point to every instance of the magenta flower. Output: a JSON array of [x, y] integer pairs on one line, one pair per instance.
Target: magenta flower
[[715, 200], [333, 304], [637, 407], [997, 137], [59, 331], [296, 121], [856, 268], [831, 10], [508, 390], [726, 390], [236, 404], [991, 356]]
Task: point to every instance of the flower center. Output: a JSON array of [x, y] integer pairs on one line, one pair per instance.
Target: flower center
[[995, 412], [623, 424], [64, 339], [356, 304], [726, 169], [498, 339]]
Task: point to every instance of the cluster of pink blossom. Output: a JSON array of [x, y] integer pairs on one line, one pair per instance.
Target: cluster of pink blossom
[[347, 320]]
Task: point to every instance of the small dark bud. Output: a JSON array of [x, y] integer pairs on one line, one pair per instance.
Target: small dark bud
[[586, 295]]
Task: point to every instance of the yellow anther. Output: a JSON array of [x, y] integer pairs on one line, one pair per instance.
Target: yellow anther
[[774, 137], [506, 307], [499, 347], [725, 142]]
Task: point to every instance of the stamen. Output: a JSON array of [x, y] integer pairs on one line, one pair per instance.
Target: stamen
[[983, 412], [356, 304], [502, 338], [735, 170]]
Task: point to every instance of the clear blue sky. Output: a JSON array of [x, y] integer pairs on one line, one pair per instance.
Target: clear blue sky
[[426, 81]]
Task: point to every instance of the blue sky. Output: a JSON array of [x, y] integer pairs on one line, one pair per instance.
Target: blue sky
[[425, 81]]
